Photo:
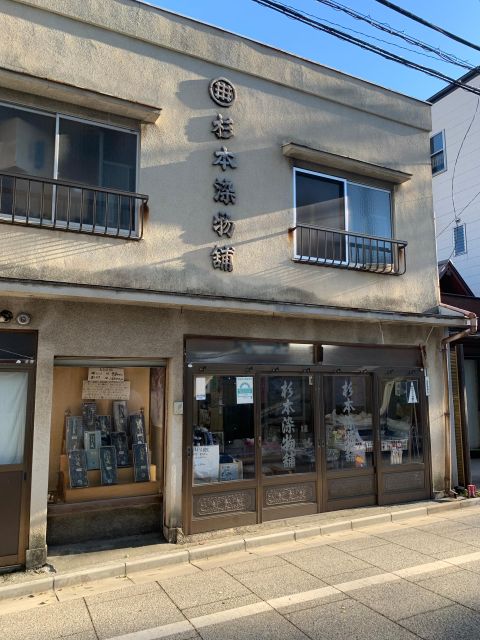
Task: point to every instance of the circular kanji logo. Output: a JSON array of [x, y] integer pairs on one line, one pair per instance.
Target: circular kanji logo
[[222, 92]]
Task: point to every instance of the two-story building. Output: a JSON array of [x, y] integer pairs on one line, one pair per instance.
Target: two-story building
[[218, 280]]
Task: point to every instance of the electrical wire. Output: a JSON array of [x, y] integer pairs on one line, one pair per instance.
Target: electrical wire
[[393, 44], [425, 23], [382, 26], [298, 16], [455, 215]]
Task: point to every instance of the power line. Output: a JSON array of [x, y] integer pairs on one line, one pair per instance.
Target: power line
[[292, 13], [393, 44], [416, 18], [446, 57]]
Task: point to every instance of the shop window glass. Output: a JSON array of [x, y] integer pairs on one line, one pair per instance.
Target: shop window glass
[[107, 432], [348, 422], [288, 442], [401, 433], [223, 429], [13, 400]]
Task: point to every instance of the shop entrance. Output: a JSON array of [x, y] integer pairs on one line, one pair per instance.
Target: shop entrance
[[265, 443], [106, 453], [17, 358]]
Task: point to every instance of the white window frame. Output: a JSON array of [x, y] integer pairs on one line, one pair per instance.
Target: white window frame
[[345, 182], [58, 115], [443, 151]]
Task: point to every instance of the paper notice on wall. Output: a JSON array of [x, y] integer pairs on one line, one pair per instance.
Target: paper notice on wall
[[427, 386], [244, 390], [113, 390], [200, 388], [412, 392], [206, 463], [105, 374]]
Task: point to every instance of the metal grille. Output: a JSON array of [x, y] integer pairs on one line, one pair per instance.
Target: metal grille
[[347, 250], [68, 206]]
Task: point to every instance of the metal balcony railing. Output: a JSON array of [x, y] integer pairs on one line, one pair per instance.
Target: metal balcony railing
[[349, 250], [70, 206]]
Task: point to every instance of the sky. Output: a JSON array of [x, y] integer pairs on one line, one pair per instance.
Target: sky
[[249, 19]]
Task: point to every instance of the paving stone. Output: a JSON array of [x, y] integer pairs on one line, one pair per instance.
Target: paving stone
[[135, 613], [255, 564], [129, 591], [10, 605], [391, 557], [220, 605], [157, 575], [325, 561], [88, 589], [48, 622], [208, 586], [347, 619], [433, 544], [451, 623], [469, 536], [365, 542], [396, 600], [267, 626], [441, 528], [460, 586], [279, 581], [338, 578]]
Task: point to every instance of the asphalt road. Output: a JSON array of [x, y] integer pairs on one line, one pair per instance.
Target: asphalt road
[[397, 581]]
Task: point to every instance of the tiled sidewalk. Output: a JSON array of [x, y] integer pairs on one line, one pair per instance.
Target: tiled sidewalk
[[404, 579]]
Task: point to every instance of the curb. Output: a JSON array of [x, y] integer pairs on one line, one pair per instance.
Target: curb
[[200, 552]]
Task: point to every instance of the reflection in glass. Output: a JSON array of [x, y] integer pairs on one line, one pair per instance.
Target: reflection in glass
[[223, 429], [348, 422], [287, 426], [401, 434], [13, 400]]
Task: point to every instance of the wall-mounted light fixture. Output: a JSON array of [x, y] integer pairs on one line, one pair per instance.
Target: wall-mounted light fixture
[[23, 318]]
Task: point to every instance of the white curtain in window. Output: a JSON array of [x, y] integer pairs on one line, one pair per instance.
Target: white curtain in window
[[13, 413], [369, 211]]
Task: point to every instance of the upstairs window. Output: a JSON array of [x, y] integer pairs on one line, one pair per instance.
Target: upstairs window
[[437, 152], [459, 240], [326, 207], [67, 173]]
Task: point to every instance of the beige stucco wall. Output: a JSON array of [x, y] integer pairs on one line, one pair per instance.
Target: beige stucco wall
[[138, 53], [100, 330]]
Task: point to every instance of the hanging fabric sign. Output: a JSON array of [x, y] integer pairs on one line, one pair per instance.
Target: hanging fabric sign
[[412, 392]]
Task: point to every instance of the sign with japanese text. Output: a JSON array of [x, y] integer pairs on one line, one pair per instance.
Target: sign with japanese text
[[206, 462], [105, 374], [113, 390]]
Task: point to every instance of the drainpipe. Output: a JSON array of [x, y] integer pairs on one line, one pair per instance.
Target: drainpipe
[[471, 330]]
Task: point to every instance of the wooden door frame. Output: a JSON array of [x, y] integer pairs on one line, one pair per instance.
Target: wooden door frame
[[24, 528]]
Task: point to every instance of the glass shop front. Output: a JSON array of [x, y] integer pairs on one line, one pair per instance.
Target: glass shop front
[[276, 430]]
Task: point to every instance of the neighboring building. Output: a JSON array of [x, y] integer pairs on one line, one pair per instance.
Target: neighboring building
[[211, 235], [455, 157], [465, 377]]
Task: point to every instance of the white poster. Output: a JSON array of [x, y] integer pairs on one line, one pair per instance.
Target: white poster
[[113, 390], [206, 463], [200, 388], [105, 374], [245, 390]]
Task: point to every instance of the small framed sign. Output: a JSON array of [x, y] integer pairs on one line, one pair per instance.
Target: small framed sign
[[73, 433], [119, 440], [141, 465], [77, 469], [108, 465]]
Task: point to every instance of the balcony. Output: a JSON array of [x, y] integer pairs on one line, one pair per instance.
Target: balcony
[[68, 206], [349, 250]]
